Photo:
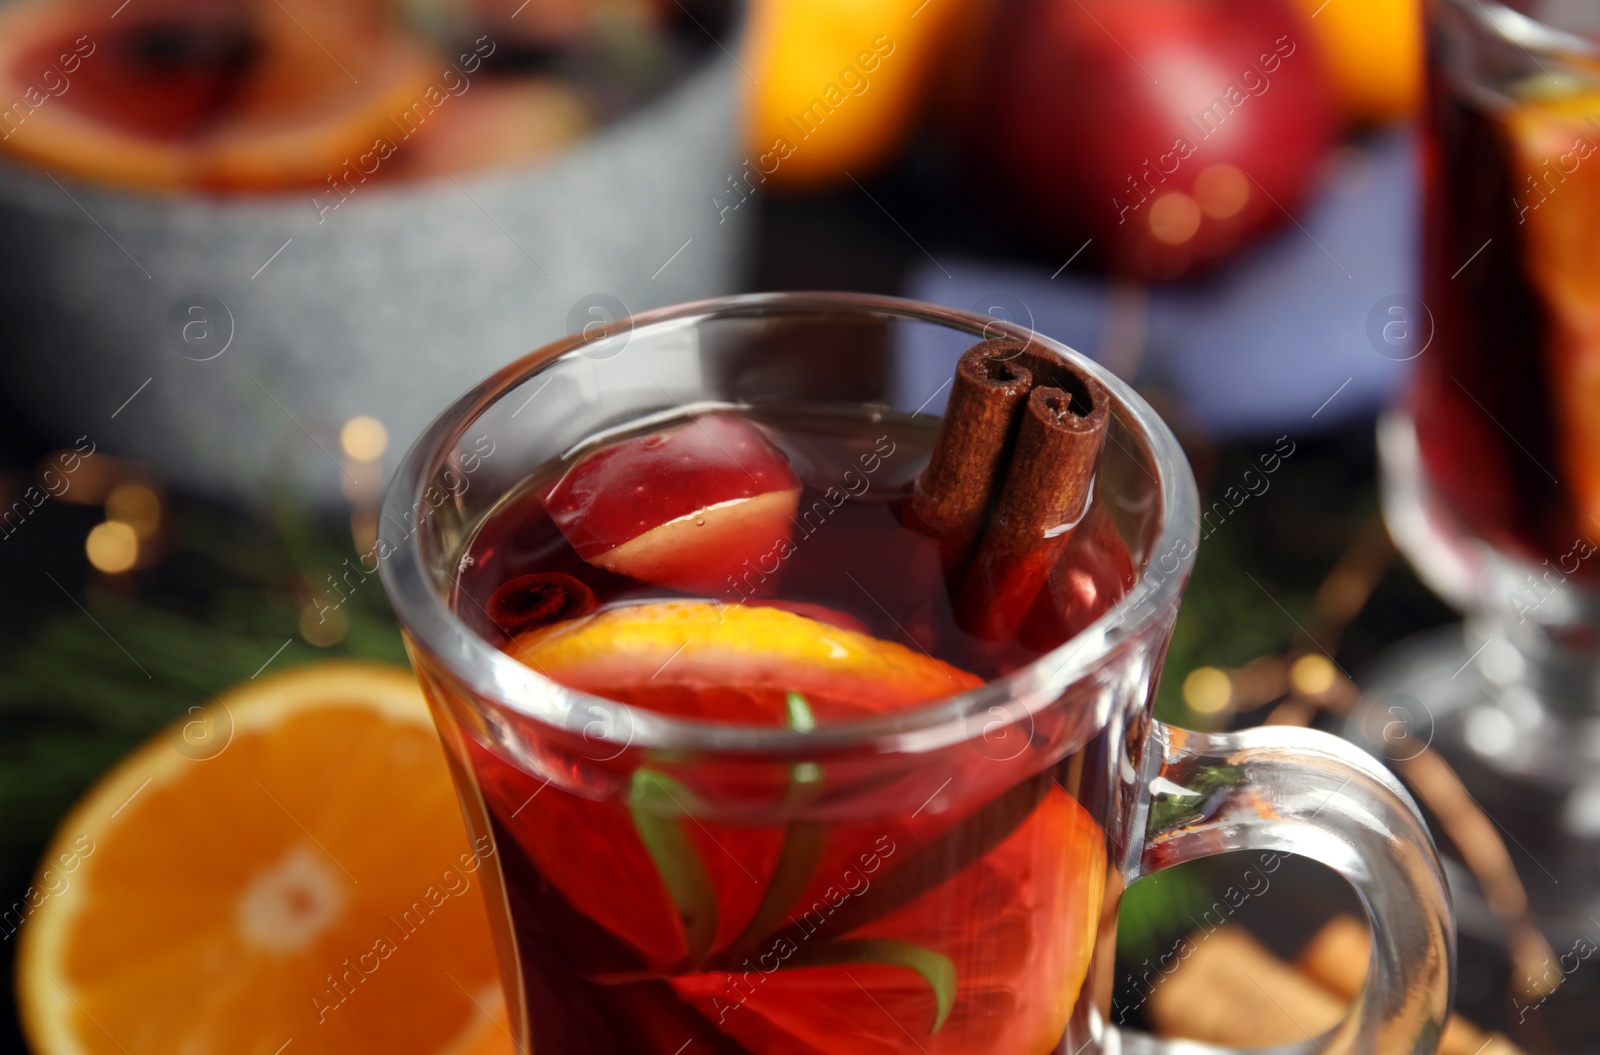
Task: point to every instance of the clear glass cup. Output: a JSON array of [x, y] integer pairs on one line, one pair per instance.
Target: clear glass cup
[[997, 828], [1492, 465]]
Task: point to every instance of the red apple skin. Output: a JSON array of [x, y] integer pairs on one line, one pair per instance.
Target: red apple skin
[[685, 509], [1091, 111]]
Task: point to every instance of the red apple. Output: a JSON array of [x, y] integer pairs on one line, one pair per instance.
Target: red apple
[[1167, 131], [686, 509]]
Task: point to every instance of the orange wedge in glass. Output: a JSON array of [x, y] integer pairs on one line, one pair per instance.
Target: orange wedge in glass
[[735, 663], [1017, 927], [989, 957], [716, 662], [287, 871], [1556, 166]]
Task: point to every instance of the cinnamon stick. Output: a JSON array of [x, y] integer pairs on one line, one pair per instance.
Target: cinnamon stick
[[539, 599], [1225, 988], [955, 492], [1021, 436], [1337, 958], [1047, 490]]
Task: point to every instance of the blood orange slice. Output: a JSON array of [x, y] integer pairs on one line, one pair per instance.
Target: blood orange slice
[[180, 94]]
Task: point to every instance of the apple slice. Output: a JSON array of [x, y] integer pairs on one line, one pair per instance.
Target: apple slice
[[705, 508]]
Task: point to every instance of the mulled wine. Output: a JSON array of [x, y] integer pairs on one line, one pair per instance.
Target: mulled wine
[[964, 922], [840, 551], [1507, 396], [801, 726]]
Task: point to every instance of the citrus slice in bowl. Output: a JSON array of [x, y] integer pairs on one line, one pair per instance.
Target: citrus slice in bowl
[[187, 94], [286, 870]]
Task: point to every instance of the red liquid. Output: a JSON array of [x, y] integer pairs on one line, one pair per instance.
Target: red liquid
[[1507, 397], [851, 556], [989, 863]]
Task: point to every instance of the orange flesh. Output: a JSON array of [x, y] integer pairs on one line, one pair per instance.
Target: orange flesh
[[1018, 922], [223, 898], [735, 663], [1563, 260]]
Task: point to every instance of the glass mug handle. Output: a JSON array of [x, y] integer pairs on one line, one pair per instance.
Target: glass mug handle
[[1300, 791]]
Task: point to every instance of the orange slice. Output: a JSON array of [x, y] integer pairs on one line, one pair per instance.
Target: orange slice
[[735, 663], [296, 877], [1556, 148], [989, 956], [1017, 926], [719, 662]]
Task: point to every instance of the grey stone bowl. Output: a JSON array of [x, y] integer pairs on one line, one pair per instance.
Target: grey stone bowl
[[226, 341]]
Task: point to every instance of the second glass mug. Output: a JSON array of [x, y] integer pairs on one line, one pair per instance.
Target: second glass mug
[[996, 828]]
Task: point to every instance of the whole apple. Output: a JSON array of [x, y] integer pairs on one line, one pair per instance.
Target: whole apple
[[1167, 131]]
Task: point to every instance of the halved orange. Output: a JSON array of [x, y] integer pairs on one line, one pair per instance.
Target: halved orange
[[300, 881], [735, 663]]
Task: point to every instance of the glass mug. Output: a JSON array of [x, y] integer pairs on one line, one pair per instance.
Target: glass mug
[[1491, 465], [970, 853]]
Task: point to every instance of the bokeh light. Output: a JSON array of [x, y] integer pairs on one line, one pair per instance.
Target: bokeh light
[[1174, 218], [325, 628], [137, 506], [112, 547], [1312, 675], [364, 439], [1222, 190], [1207, 690]]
